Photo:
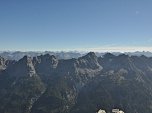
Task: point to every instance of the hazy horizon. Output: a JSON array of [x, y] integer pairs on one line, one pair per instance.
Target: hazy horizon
[[100, 50]]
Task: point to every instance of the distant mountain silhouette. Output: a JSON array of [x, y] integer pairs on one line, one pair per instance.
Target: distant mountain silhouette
[[17, 55]]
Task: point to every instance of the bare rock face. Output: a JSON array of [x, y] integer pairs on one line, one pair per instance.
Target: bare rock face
[[45, 63], [2, 63], [45, 84], [86, 65], [47, 60], [24, 67], [89, 64]]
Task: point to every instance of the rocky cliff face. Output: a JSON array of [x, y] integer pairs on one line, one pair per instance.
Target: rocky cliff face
[[45, 84], [4, 63]]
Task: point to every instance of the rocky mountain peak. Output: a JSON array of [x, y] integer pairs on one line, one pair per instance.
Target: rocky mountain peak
[[88, 64], [109, 56], [123, 56], [90, 55], [45, 63], [76, 85], [47, 59], [26, 59], [24, 67], [2, 63]]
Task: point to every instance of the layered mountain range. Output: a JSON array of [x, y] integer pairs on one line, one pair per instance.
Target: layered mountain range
[[46, 84], [17, 55]]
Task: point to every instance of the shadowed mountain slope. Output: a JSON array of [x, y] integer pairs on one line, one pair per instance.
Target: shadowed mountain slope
[[46, 84]]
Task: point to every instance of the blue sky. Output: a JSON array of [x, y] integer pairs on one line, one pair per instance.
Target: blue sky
[[92, 25]]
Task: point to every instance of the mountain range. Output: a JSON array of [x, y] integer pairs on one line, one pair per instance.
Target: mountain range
[[17, 55], [47, 84]]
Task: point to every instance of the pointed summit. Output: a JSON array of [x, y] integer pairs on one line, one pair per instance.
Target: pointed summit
[[89, 61], [123, 56], [91, 55], [26, 60], [109, 55], [23, 67]]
